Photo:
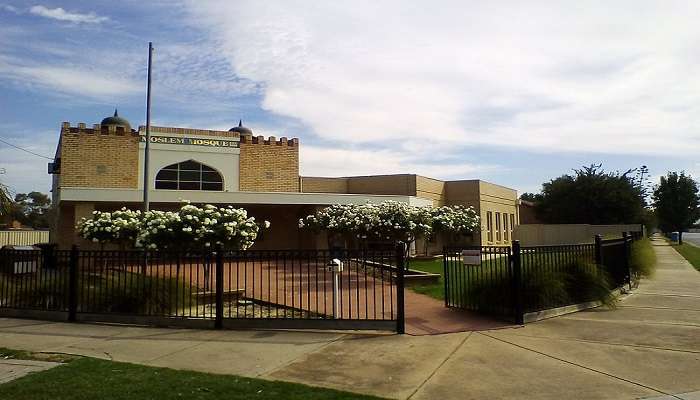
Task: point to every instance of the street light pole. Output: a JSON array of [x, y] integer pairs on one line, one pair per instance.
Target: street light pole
[[146, 180]]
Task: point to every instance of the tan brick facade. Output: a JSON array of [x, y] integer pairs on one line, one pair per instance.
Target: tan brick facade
[[269, 165], [324, 185], [496, 205], [99, 157]]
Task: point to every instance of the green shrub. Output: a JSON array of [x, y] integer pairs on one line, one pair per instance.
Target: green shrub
[[642, 259], [111, 291], [586, 282], [544, 286]]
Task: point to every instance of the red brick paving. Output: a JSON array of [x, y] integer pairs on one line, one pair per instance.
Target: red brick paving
[[308, 286], [428, 316]]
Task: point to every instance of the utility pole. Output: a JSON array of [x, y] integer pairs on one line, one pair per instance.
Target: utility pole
[[146, 180]]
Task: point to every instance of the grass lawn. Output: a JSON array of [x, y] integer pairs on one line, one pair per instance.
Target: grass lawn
[[89, 378], [436, 290], [690, 252]]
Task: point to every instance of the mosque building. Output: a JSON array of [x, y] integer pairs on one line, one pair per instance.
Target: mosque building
[[101, 168]]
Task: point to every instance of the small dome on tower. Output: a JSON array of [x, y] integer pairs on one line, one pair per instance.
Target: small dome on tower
[[242, 130], [117, 121]]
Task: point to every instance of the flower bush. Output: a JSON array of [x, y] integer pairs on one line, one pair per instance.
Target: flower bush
[[190, 228], [120, 226], [392, 220], [458, 219]]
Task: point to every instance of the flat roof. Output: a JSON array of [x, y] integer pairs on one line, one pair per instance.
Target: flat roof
[[201, 196]]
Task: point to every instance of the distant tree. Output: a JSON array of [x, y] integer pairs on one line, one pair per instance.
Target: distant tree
[[532, 197], [32, 209], [677, 203], [592, 196]]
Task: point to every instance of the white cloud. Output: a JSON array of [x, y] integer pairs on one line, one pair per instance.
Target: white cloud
[[77, 80], [24, 172], [10, 8], [322, 161], [547, 76], [62, 15]]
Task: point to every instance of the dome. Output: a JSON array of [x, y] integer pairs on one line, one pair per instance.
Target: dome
[[242, 130], [116, 120]]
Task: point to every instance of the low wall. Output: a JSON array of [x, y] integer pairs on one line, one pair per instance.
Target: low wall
[[23, 238], [558, 234]]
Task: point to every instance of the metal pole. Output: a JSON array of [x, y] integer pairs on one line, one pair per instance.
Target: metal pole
[[73, 283], [336, 297], [445, 276], [400, 268], [518, 306], [626, 246], [146, 180], [219, 322]]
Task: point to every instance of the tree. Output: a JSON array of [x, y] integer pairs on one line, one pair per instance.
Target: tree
[[592, 196], [32, 209], [5, 201], [532, 197], [677, 203]]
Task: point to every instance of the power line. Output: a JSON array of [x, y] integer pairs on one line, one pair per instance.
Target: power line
[[25, 150]]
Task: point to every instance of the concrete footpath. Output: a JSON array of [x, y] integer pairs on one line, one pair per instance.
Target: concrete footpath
[[649, 347]]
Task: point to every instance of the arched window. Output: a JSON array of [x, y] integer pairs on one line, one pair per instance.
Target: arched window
[[189, 175]]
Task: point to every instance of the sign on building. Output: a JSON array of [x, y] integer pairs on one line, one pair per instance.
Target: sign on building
[[192, 141]]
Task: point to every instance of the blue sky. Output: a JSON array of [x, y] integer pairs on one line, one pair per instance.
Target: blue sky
[[504, 92]]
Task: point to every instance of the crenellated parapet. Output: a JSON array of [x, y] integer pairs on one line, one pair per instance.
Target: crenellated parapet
[[272, 140], [96, 129]]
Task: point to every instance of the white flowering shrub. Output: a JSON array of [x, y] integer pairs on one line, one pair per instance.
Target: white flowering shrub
[[120, 227], [460, 220], [392, 220], [203, 227], [190, 228]]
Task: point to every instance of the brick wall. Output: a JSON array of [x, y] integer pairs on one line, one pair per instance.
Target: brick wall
[[312, 184], [160, 130], [269, 165], [99, 157], [429, 188], [383, 184]]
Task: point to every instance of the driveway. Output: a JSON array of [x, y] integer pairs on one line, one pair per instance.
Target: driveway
[[649, 347]]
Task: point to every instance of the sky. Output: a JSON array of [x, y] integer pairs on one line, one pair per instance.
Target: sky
[[515, 93]]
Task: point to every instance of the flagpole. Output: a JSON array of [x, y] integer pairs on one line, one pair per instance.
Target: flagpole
[[146, 180]]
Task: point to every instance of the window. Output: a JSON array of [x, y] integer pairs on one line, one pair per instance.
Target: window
[[489, 226], [189, 175], [505, 227], [498, 227], [512, 224]]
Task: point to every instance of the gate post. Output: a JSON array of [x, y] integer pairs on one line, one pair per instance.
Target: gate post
[[400, 268], [599, 251], [517, 282], [445, 275], [73, 283], [219, 277], [628, 252]]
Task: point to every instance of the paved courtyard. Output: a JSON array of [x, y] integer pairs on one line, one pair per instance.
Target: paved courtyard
[[649, 347]]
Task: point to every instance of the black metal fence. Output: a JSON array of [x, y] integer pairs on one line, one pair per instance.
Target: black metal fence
[[363, 289], [514, 281]]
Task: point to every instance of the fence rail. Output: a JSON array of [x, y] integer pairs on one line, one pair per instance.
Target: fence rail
[[275, 289], [513, 281], [22, 238]]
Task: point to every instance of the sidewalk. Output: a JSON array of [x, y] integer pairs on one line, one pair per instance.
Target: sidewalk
[[649, 347]]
